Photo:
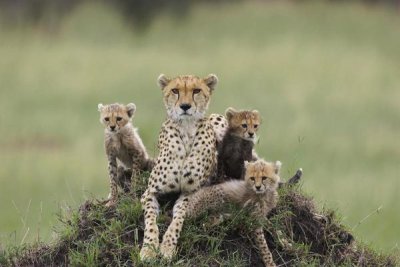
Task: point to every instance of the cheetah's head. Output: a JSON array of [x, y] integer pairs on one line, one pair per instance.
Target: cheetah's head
[[116, 116], [244, 123], [262, 176], [188, 96]]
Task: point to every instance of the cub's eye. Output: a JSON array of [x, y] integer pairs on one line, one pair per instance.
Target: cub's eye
[[255, 126], [175, 91], [264, 178], [244, 126], [119, 118], [196, 91], [252, 178], [107, 119]]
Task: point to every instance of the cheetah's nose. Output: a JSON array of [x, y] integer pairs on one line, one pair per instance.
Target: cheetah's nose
[[185, 107], [112, 128], [258, 187], [251, 134]]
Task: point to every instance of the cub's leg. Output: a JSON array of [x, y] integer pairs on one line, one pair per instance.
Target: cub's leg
[[262, 246], [150, 241], [112, 172], [136, 170]]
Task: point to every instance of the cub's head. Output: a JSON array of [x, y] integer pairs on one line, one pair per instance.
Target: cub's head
[[188, 96], [243, 123], [115, 116], [262, 175]]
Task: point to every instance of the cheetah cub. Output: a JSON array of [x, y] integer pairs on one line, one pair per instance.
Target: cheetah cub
[[238, 142], [258, 192], [122, 144]]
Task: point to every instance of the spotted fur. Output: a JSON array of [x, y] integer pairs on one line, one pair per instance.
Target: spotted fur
[[258, 191], [123, 144], [187, 156]]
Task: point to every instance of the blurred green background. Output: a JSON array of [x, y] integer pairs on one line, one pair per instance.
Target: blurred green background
[[324, 75]]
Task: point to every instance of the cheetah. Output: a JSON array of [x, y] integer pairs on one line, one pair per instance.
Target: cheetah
[[258, 192], [122, 144], [238, 142], [187, 156]]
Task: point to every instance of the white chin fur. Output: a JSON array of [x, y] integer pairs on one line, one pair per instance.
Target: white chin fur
[[254, 139], [178, 115]]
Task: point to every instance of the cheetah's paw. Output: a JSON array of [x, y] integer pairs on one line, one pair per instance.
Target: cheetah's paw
[[167, 251], [148, 253]]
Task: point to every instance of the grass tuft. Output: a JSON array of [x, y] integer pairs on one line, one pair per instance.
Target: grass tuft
[[297, 233]]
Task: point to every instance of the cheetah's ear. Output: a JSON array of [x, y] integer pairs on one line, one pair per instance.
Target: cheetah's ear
[[100, 107], [130, 109], [277, 166], [163, 81], [229, 113], [211, 81]]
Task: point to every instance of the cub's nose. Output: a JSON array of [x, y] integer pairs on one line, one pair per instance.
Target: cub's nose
[[258, 187], [185, 107], [112, 128], [251, 134]]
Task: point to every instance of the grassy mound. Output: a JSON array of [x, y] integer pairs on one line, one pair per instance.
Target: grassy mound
[[297, 233]]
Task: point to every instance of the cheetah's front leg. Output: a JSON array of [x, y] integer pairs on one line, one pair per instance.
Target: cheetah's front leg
[[263, 247], [150, 241], [112, 172], [171, 236]]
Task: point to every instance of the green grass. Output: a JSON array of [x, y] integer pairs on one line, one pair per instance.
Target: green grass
[[324, 77], [296, 232]]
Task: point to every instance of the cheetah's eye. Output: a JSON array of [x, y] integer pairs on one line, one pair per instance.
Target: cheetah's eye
[[119, 118], [107, 119], [264, 178], [255, 126], [196, 91], [244, 126], [252, 178], [175, 91]]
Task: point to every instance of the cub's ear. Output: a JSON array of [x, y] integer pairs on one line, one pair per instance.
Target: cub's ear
[[130, 109], [277, 167], [246, 163], [211, 81], [229, 113], [100, 107], [256, 114], [163, 81]]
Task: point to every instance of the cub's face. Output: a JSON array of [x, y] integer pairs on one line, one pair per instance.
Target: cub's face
[[187, 97], [244, 123], [115, 116], [262, 176]]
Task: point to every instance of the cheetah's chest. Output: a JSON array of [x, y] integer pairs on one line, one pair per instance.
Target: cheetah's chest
[[187, 142], [186, 158]]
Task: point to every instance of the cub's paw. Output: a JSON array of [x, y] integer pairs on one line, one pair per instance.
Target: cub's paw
[[111, 202]]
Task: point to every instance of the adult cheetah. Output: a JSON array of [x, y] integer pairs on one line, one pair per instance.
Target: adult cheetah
[[187, 155]]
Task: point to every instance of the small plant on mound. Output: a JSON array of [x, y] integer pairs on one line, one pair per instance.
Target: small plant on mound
[[298, 234]]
